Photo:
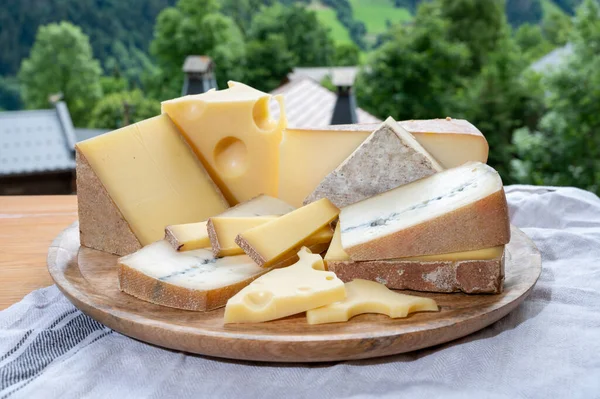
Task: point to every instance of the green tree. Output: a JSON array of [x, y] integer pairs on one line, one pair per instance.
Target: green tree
[[564, 148], [532, 43], [61, 60], [556, 27], [346, 54], [10, 94], [269, 61], [119, 109], [195, 27]]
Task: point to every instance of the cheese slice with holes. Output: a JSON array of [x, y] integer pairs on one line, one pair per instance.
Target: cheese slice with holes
[[185, 237], [364, 296], [284, 292], [388, 158], [460, 209], [277, 239], [234, 135]]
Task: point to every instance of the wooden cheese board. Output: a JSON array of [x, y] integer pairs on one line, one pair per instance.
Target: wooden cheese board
[[89, 279]]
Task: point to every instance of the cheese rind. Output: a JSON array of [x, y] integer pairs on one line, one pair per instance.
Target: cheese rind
[[460, 209], [151, 176], [272, 241], [191, 280], [285, 292], [364, 296], [310, 154], [388, 158], [232, 132]]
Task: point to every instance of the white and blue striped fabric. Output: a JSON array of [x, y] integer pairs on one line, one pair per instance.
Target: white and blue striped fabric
[[549, 347]]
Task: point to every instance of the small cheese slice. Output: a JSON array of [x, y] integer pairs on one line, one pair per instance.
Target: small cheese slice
[[388, 158], [234, 135], [185, 237], [309, 154], [479, 271], [191, 280], [460, 209], [272, 241], [136, 180], [364, 296], [224, 230], [285, 292]]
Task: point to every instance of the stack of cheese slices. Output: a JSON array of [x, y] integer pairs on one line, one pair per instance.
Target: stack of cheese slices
[[215, 204]]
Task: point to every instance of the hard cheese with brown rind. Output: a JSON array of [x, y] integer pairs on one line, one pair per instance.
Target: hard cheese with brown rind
[[364, 296], [284, 292], [460, 209], [388, 158]]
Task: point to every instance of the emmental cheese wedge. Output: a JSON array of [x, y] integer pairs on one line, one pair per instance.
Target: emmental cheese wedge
[[284, 292], [191, 280], [388, 158], [273, 241], [233, 134], [185, 237], [136, 180], [364, 296], [460, 209], [473, 272], [310, 154]]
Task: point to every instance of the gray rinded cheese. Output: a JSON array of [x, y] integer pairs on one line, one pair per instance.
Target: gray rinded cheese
[[388, 158], [460, 209]]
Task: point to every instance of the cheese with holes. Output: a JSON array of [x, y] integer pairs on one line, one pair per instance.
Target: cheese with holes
[[364, 296], [284, 292], [459, 209], [310, 154], [136, 180], [185, 237], [234, 135], [479, 271], [224, 230], [388, 158], [191, 280], [272, 241]]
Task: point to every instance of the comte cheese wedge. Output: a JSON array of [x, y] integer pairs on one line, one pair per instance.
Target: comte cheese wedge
[[364, 296], [479, 271], [272, 241], [185, 237], [460, 209], [310, 154], [136, 180], [388, 158], [234, 135], [284, 292]]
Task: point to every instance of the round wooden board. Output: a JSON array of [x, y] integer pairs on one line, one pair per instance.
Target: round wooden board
[[89, 279]]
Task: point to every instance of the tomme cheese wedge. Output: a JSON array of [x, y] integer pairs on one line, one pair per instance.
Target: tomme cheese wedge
[[192, 280], [364, 296], [459, 209], [310, 154], [284, 292], [473, 272], [272, 241], [388, 158], [233, 134], [185, 237], [133, 182]]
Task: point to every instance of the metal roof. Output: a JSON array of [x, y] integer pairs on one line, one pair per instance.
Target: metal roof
[[84, 134], [553, 59], [35, 141], [319, 73], [308, 104], [196, 63]]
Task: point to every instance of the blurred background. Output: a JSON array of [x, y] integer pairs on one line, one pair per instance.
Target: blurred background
[[525, 72]]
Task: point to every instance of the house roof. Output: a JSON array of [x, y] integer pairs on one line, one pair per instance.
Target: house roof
[[84, 134], [196, 63], [319, 73], [553, 59], [36, 141], [308, 104]]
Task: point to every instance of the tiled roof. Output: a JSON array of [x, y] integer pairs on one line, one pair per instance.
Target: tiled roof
[[308, 104], [35, 141], [196, 63], [553, 59], [319, 73]]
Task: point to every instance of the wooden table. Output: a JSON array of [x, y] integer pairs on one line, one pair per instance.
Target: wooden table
[[28, 224]]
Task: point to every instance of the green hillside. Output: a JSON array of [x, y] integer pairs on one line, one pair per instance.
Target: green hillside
[[375, 14]]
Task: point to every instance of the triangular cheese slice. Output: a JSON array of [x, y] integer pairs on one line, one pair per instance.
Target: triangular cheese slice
[[388, 158]]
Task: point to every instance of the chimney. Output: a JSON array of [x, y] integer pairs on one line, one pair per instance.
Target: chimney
[[344, 111], [199, 75]]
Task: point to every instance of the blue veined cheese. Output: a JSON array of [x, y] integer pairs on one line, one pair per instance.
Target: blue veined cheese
[[460, 209], [192, 280]]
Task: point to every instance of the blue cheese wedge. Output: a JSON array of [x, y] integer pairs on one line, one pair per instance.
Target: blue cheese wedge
[[460, 209]]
